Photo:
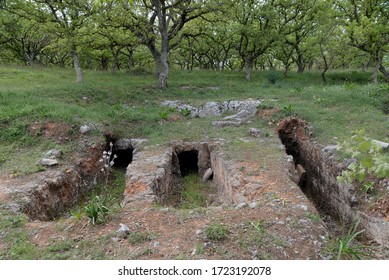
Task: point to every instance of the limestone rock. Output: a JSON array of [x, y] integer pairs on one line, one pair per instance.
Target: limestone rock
[[384, 145], [255, 132], [243, 109], [241, 205], [52, 154], [211, 109], [84, 129], [123, 231], [241, 115], [207, 174], [149, 172], [250, 105], [253, 205], [48, 162], [176, 104]]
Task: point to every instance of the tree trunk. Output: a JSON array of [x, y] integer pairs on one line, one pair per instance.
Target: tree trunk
[[323, 75], [161, 57], [384, 72], [130, 62], [248, 63], [300, 62], [374, 76], [300, 65], [104, 63], [286, 69], [77, 67], [162, 69], [115, 60]]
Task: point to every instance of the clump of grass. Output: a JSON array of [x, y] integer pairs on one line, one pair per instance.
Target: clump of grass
[[140, 237], [346, 246], [288, 110], [216, 231], [193, 195], [98, 209], [60, 247]]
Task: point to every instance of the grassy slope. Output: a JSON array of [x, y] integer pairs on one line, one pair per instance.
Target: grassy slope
[[128, 104]]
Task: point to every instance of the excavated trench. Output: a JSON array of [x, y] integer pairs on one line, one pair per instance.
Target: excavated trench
[[51, 196], [311, 171], [316, 174]]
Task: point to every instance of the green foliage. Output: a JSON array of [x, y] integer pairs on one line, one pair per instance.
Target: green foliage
[[97, 209], [140, 237], [288, 109], [370, 161], [164, 115], [185, 112], [60, 247], [258, 226], [216, 231], [193, 194], [318, 99], [346, 246]]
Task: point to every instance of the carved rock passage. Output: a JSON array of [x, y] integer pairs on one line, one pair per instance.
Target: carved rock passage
[[150, 177], [321, 183]]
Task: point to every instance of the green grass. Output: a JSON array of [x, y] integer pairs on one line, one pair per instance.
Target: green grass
[[102, 201], [194, 192], [140, 237], [216, 231], [347, 247]]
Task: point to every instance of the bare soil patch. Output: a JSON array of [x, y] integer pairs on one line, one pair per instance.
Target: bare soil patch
[[57, 131]]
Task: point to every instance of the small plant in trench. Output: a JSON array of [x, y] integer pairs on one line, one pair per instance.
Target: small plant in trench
[[98, 209], [216, 231], [346, 247], [370, 161]]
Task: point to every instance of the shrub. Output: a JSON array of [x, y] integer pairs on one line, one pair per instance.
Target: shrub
[[216, 231], [370, 161], [273, 77]]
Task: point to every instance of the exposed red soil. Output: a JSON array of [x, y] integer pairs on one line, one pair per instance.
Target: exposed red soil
[[57, 131]]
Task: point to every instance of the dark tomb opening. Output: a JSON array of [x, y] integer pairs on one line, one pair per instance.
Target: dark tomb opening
[[188, 162], [123, 157]]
